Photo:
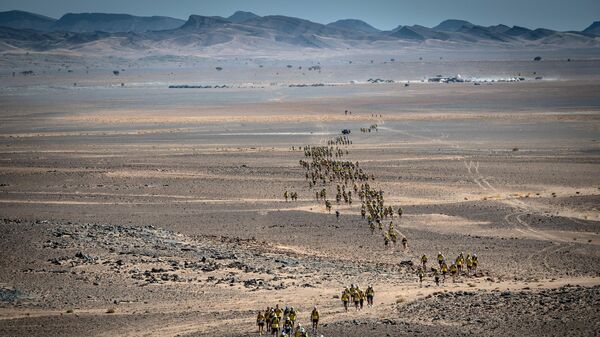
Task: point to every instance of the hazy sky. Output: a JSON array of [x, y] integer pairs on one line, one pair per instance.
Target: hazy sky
[[383, 14]]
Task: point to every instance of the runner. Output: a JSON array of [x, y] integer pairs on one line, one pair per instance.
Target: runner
[[370, 296], [453, 271], [421, 274], [275, 326], [314, 316], [436, 277], [260, 321], [361, 298], [293, 316], [444, 270], [345, 298]]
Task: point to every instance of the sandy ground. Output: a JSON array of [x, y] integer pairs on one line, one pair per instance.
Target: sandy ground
[[166, 209]]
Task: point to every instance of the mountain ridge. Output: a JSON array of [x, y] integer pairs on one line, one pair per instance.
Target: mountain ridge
[[113, 23], [25, 20], [594, 28], [246, 30]]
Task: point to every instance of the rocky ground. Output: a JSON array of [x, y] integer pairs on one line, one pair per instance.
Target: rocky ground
[[91, 270], [563, 311]]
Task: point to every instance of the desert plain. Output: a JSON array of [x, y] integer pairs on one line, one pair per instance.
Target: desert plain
[[131, 209]]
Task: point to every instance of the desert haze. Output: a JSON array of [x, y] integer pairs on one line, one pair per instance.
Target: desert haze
[[168, 177]]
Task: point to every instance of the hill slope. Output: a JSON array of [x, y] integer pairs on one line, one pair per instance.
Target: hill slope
[[25, 20], [354, 25], [594, 28], [241, 16], [112, 23]]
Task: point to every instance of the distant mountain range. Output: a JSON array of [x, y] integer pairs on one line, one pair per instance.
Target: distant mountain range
[[23, 30]]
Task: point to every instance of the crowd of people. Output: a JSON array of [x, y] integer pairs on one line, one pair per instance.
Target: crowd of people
[[283, 322], [293, 196], [324, 168], [375, 212], [373, 127], [357, 296], [279, 322], [462, 266], [340, 140]]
